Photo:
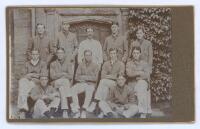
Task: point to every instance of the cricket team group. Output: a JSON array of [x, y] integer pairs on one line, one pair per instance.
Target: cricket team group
[[114, 77]]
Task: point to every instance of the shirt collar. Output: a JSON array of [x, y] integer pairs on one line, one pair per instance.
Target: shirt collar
[[115, 35], [34, 63], [87, 63], [112, 62], [66, 33], [61, 62], [120, 89], [141, 41]]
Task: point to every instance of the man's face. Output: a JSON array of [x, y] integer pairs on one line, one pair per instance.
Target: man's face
[[114, 29], [121, 81], [90, 33], [88, 56], [35, 55], [65, 27], [43, 81], [40, 29], [60, 54], [136, 54], [140, 34], [113, 55]]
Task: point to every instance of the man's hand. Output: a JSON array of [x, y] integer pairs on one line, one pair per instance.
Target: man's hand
[[124, 59], [36, 75], [110, 77], [44, 97], [29, 76]]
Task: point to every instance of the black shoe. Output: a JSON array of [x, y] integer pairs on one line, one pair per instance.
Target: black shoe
[[109, 115]]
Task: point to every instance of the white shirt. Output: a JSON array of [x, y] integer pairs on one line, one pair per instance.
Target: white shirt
[[95, 47]]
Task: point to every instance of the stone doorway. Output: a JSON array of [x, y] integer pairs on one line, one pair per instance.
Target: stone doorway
[[101, 30]]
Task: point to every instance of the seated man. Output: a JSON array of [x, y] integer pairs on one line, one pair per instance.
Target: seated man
[[46, 98], [61, 73], [86, 76], [110, 70], [121, 101], [32, 71], [138, 72]]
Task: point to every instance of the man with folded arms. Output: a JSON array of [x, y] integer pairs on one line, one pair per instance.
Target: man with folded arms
[[86, 77], [138, 72], [32, 70], [110, 70], [61, 73]]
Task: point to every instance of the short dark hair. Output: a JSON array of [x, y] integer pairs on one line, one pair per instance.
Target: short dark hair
[[112, 49], [115, 23], [89, 28], [63, 22], [121, 75], [40, 24], [87, 50], [60, 48], [140, 28], [137, 48]]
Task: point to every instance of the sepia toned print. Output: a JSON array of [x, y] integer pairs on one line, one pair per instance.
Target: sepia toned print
[[90, 63]]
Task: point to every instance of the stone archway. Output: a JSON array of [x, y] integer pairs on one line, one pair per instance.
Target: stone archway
[[101, 29]]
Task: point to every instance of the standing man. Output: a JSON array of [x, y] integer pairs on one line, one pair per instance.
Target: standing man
[[146, 55], [121, 101], [138, 72], [32, 70], [61, 72], [110, 70], [46, 97], [67, 40], [86, 77], [145, 45], [93, 45], [117, 41], [42, 43]]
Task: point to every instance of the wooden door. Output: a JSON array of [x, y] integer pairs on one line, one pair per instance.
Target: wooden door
[[101, 30]]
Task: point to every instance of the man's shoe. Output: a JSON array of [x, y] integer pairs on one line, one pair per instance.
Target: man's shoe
[[101, 115], [92, 107], [110, 115], [65, 114], [22, 115], [77, 115], [83, 114], [143, 115]]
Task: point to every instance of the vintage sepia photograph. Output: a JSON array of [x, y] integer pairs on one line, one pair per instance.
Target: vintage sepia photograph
[[89, 62]]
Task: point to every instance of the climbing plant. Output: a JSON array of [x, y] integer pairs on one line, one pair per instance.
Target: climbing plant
[[157, 25]]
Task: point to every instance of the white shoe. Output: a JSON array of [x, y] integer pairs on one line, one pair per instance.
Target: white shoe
[[21, 115], [143, 116], [92, 107], [100, 115], [83, 114], [65, 114], [77, 115]]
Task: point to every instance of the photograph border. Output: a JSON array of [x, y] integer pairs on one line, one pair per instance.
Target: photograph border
[[183, 90]]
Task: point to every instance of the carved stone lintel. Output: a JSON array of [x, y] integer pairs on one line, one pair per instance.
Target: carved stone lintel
[[50, 11]]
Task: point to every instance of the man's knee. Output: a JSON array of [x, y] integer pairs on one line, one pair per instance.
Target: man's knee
[[103, 82], [39, 103], [141, 85], [23, 81], [133, 107], [62, 81], [90, 88]]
